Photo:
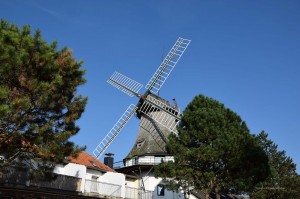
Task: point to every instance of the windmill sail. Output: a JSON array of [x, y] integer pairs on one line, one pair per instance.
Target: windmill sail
[[156, 114], [161, 112], [98, 151], [167, 65], [125, 84]]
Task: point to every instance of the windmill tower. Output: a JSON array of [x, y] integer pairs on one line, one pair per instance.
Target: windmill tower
[[158, 118]]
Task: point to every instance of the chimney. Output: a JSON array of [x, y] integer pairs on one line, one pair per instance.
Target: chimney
[[109, 160]]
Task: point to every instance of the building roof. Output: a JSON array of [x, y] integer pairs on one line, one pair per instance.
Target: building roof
[[89, 161]]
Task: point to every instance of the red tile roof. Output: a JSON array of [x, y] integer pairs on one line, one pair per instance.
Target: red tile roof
[[89, 161]]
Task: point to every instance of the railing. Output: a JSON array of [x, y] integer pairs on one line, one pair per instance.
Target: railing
[[151, 160], [12, 177], [118, 165], [61, 182], [101, 188], [134, 193]]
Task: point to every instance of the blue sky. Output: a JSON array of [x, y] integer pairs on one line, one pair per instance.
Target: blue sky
[[246, 54]]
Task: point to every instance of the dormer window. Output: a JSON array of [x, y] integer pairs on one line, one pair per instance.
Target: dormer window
[[94, 164]]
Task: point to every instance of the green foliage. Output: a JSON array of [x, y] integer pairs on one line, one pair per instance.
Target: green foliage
[[214, 151], [38, 101], [283, 181]]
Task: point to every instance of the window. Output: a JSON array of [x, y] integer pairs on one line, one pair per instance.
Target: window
[[158, 159], [160, 190], [140, 144], [94, 164], [94, 183], [135, 161]]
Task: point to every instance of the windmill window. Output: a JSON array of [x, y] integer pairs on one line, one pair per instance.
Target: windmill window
[[140, 144], [158, 159], [160, 190], [135, 161]]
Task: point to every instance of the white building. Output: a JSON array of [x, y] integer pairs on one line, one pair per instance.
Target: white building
[[134, 180], [97, 179], [149, 186]]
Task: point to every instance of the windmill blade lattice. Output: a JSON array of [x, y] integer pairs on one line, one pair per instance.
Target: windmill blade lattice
[[115, 130], [125, 84], [161, 112], [167, 65]]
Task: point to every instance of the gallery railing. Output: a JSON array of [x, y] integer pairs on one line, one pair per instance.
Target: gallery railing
[[101, 188], [134, 193], [151, 160]]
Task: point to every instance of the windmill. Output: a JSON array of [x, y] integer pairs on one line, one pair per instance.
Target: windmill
[[158, 117]]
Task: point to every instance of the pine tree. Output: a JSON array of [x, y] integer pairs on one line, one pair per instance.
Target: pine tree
[[214, 151], [283, 181], [38, 101]]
